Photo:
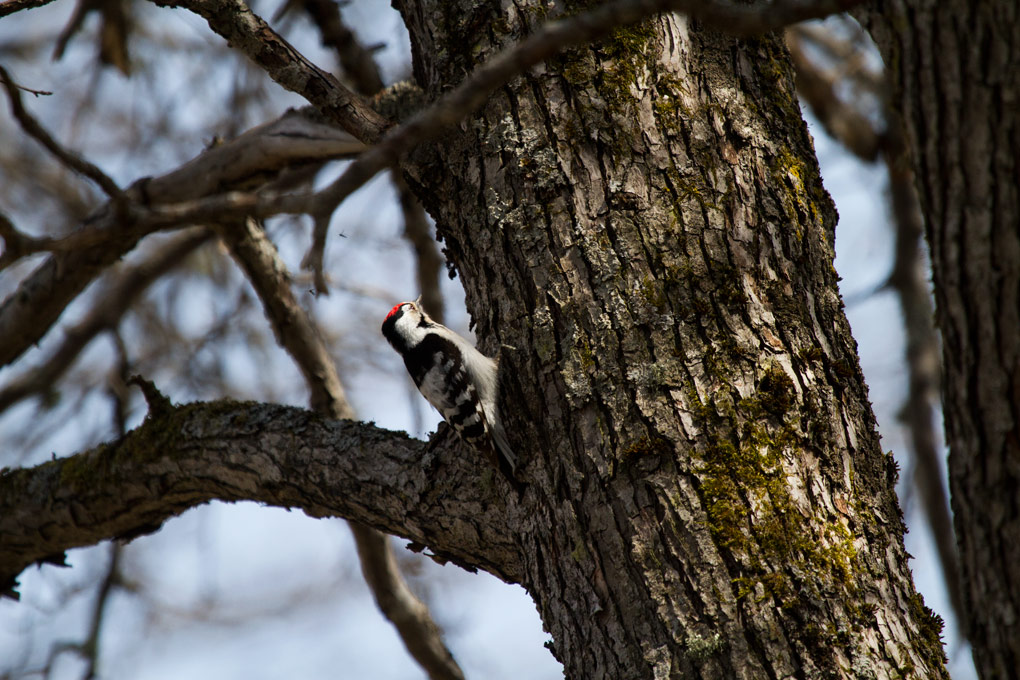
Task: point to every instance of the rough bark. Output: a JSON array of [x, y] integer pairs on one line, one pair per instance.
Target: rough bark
[[185, 456], [644, 218], [642, 224], [297, 333], [955, 68]]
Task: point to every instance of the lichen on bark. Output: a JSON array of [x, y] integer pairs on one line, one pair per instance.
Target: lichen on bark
[[646, 215]]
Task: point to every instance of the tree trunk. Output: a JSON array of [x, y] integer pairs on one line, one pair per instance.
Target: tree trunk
[[645, 216], [956, 83]]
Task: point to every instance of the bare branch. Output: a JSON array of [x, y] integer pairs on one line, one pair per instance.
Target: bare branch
[[112, 303], [356, 61], [922, 353], [298, 138], [32, 127], [296, 332], [255, 156], [428, 261], [409, 615], [281, 456], [18, 244], [12, 6], [364, 72], [111, 578], [88, 649], [554, 37], [843, 122], [246, 31]]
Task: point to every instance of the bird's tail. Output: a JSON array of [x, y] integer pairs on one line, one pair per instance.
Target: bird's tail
[[506, 459]]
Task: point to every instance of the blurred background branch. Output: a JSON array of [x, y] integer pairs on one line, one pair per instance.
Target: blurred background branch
[[847, 94]]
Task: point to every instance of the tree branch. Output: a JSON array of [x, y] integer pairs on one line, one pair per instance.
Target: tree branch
[[552, 38], [35, 130], [111, 305], [249, 33], [12, 6], [277, 455], [361, 68], [250, 159], [296, 332], [409, 615], [356, 61], [18, 244]]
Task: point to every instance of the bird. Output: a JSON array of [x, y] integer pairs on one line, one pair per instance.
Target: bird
[[457, 379]]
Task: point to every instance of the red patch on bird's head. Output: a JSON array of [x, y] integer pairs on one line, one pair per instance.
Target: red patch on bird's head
[[396, 308]]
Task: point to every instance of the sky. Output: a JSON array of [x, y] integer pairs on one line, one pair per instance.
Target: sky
[[241, 591]]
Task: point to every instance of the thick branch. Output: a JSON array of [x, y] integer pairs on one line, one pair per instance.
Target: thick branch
[[297, 333], [247, 32], [277, 455], [253, 157]]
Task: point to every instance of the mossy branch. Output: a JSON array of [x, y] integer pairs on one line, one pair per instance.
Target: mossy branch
[[282, 456]]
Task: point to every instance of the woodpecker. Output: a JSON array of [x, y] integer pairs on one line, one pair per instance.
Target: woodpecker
[[457, 379]]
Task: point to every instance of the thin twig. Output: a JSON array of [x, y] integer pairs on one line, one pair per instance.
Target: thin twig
[[88, 649], [35, 130]]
